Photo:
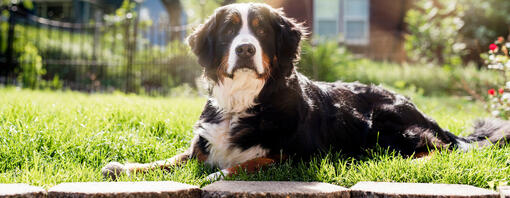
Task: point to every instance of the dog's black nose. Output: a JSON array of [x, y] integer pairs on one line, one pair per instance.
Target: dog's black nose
[[245, 50]]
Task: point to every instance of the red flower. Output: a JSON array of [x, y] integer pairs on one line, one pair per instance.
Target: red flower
[[491, 92], [501, 90], [493, 47]]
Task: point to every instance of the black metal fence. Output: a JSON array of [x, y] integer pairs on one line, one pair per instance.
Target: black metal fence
[[124, 54]]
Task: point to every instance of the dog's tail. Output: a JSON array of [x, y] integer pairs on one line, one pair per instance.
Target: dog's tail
[[486, 132]]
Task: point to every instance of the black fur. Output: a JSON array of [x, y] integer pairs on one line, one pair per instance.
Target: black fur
[[301, 117], [490, 131], [201, 144]]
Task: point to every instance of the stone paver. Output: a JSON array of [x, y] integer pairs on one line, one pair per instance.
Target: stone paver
[[504, 191], [124, 189], [401, 190], [248, 189], [21, 190]]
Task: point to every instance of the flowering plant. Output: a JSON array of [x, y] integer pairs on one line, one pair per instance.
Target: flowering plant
[[499, 59]]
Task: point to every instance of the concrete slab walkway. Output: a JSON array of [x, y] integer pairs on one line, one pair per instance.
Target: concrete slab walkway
[[248, 189]]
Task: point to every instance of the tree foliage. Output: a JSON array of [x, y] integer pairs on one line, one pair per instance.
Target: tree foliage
[[485, 21], [31, 67], [433, 28], [443, 31]]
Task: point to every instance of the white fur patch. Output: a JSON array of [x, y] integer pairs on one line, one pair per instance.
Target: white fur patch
[[221, 152], [465, 146], [218, 175], [245, 36], [235, 95]]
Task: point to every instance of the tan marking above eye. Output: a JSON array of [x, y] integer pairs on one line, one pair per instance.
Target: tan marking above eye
[[255, 22], [235, 18]]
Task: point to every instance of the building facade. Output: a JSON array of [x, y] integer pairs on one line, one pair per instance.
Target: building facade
[[372, 28]]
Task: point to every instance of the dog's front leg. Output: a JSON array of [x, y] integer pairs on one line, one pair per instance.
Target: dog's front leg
[[114, 169], [250, 166]]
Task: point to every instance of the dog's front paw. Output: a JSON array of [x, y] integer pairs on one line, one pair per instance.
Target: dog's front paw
[[217, 175], [113, 170]]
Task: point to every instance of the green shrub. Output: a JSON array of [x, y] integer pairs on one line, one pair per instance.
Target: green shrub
[[54, 84], [498, 59], [320, 61], [31, 67], [434, 32], [426, 79]]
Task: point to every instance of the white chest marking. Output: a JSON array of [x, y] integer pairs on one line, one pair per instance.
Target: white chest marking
[[235, 95], [221, 152]]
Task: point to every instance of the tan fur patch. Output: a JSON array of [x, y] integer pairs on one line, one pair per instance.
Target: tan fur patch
[[234, 17], [221, 71], [255, 22], [201, 157], [266, 63], [251, 166], [421, 154]]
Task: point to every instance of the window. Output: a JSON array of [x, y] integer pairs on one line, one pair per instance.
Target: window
[[356, 23], [327, 18], [346, 18]]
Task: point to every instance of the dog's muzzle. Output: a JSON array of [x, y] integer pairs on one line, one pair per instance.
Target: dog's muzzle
[[244, 60]]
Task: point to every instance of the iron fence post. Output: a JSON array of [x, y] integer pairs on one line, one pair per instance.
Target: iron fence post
[[131, 48], [128, 58], [9, 52]]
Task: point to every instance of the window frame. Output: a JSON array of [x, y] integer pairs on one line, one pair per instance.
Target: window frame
[[346, 18], [342, 20], [316, 20]]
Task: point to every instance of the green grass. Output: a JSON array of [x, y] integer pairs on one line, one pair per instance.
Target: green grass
[[51, 137]]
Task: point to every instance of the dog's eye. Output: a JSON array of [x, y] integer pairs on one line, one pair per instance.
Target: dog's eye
[[230, 31]]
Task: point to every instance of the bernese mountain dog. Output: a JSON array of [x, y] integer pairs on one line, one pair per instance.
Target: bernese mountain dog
[[261, 110]]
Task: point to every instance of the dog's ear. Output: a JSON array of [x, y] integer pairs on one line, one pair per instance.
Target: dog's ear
[[202, 40], [288, 39]]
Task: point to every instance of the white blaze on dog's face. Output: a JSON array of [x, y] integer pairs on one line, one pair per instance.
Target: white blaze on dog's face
[[241, 46], [245, 52]]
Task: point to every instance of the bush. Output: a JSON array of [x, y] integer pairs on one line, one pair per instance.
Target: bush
[[427, 79], [498, 59], [444, 31], [320, 62], [54, 84], [433, 32], [31, 67], [484, 21]]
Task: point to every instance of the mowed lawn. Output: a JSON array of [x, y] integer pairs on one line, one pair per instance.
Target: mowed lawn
[[49, 137]]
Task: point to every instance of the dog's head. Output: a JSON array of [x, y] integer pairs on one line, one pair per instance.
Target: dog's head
[[247, 38]]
